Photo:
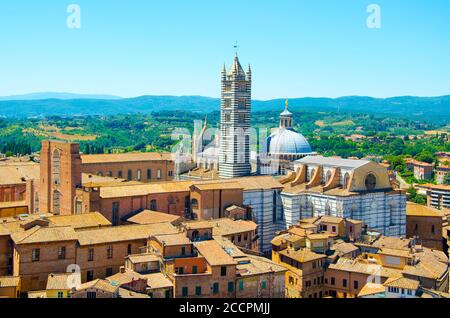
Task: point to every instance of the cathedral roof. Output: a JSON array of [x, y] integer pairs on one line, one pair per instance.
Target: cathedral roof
[[288, 141]]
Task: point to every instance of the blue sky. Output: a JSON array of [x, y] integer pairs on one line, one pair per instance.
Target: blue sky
[[177, 47]]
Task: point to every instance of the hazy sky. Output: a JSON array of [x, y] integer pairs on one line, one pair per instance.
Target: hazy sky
[[177, 47]]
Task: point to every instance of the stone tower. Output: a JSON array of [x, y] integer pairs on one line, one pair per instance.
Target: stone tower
[[234, 154], [60, 176]]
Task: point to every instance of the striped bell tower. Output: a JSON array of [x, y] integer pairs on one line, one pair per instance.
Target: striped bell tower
[[235, 109]]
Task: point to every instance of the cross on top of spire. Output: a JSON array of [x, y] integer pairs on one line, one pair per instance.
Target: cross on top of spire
[[236, 47]]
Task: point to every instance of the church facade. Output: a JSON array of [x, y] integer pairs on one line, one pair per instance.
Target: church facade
[[356, 189]]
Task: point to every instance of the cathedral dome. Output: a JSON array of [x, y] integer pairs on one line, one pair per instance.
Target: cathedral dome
[[288, 141]]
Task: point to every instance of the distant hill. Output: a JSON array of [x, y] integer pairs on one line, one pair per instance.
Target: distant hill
[[436, 109], [51, 95]]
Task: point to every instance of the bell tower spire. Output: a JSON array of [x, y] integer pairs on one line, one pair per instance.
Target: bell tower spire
[[235, 109]]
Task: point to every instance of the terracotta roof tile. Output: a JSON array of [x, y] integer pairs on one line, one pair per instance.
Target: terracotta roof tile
[[123, 233], [125, 157], [214, 254]]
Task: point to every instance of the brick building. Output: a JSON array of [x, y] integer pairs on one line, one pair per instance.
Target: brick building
[[426, 225]]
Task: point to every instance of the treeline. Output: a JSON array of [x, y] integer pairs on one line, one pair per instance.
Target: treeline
[[13, 148]]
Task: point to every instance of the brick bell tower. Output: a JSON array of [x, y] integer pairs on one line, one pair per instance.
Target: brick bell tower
[[60, 176], [235, 109]]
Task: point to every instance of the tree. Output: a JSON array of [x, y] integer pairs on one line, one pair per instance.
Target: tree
[[425, 156], [447, 179]]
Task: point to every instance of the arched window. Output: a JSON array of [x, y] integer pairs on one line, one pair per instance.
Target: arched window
[[153, 205], [120, 174], [194, 203], [36, 202], [328, 177], [327, 209], [130, 175], [158, 174], [100, 174], [392, 214], [56, 167], [370, 182], [149, 174], [346, 180], [139, 175]]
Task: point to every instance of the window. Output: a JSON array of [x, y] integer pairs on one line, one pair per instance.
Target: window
[[230, 287], [115, 213], [334, 229], [194, 269], [109, 272], [333, 281], [35, 255], [344, 282], [223, 271], [158, 174], [264, 284], [194, 203], [78, 206], [170, 173], [91, 295], [432, 229], [100, 174], [109, 252], [346, 180], [183, 251], [198, 290], [89, 276], [60, 295], [153, 206], [241, 284], [179, 270], [90, 254], [228, 117], [110, 173], [370, 182], [239, 238], [215, 288], [355, 284], [184, 291], [139, 175], [149, 174], [120, 174], [130, 175], [129, 249], [62, 252]]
